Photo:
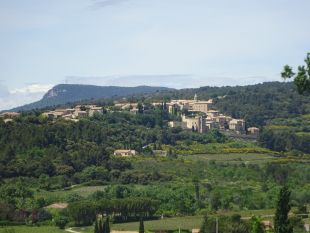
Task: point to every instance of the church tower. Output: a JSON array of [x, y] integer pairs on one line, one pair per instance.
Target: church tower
[[195, 98]]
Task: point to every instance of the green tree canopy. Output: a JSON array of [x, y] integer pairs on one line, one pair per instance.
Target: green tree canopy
[[302, 78], [281, 221], [257, 226]]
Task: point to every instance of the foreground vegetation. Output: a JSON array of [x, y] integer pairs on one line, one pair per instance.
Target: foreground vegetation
[[197, 184]]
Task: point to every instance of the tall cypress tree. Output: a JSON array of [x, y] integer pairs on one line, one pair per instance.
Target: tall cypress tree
[[100, 226], [281, 221], [107, 225], [197, 189], [96, 230], [141, 225]]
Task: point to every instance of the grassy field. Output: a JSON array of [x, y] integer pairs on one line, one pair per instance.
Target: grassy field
[[220, 157], [29, 229], [61, 195], [233, 158], [188, 222], [163, 224]]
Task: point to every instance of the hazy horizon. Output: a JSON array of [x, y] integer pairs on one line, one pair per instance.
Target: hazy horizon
[[173, 43]]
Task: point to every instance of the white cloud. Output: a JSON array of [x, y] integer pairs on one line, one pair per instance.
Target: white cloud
[[33, 88], [21, 96]]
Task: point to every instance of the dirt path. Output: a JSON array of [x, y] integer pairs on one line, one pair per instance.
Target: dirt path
[[71, 231]]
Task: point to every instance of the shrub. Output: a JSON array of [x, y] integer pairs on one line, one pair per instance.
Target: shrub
[[61, 221]]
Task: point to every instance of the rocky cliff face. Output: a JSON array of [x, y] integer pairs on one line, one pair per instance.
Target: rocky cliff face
[[69, 93], [54, 92]]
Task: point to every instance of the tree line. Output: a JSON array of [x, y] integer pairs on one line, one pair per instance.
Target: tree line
[[85, 212]]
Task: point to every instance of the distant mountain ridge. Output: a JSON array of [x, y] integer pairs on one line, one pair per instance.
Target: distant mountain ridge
[[68, 93]]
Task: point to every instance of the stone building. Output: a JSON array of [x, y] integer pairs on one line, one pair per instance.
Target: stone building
[[237, 125], [201, 106], [175, 124], [253, 131], [196, 123], [125, 153]]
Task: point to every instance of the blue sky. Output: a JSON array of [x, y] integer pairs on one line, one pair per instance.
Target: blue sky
[[175, 43]]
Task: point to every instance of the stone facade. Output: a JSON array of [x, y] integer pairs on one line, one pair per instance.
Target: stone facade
[[125, 153]]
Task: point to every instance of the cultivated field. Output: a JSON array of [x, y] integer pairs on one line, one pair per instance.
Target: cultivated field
[[252, 158], [61, 195], [187, 223], [178, 168], [163, 224]]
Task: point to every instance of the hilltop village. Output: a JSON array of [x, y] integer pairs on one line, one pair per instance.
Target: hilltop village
[[74, 114], [199, 116], [195, 115]]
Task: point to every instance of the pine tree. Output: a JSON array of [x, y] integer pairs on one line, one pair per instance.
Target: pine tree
[[141, 226], [302, 78], [281, 221]]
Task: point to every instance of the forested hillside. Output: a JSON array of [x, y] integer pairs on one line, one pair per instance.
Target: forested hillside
[[43, 161], [287, 134], [275, 107], [260, 103], [69, 93], [257, 104], [33, 146], [266, 104]]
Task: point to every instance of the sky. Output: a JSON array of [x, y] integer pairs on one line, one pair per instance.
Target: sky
[[173, 43]]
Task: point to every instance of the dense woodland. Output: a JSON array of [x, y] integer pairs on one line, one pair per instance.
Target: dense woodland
[[33, 146], [287, 134], [47, 155]]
